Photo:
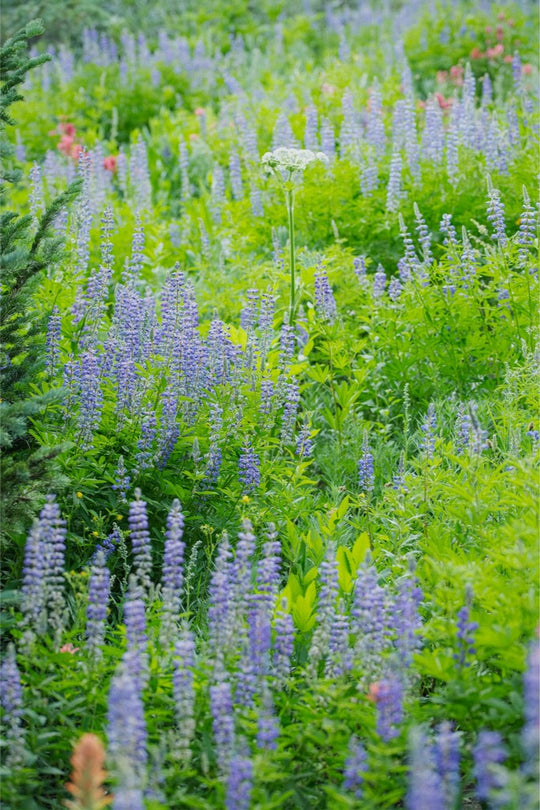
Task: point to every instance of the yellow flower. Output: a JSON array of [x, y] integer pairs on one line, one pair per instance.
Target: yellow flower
[[119, 517], [245, 499], [95, 534], [79, 494]]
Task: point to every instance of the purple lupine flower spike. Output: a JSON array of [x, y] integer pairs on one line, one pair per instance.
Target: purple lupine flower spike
[[311, 138], [398, 480], [495, 214], [268, 570], [411, 262], [326, 612], [126, 736], [96, 610], [36, 194], [465, 632], [389, 707], [137, 638], [221, 708], [90, 396], [33, 587], [370, 621], [267, 723], [366, 476], [292, 398], [287, 344], [447, 759], [394, 289], [339, 658], [355, 768], [146, 443], [325, 302], [304, 443], [369, 177], [173, 573], [140, 541], [375, 134], [527, 229], [488, 753], [184, 692], [424, 235], [241, 573], [220, 600], [406, 618], [12, 705], [379, 282], [213, 464], [248, 469], [54, 536], [235, 172], [109, 544], [239, 783], [248, 316], [43, 571], [394, 192], [122, 479], [425, 790], [267, 396], [359, 265]]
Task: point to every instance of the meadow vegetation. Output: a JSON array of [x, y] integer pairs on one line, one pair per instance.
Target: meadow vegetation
[[270, 539]]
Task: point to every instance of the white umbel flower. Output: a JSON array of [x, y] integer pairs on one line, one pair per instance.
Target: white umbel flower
[[292, 160]]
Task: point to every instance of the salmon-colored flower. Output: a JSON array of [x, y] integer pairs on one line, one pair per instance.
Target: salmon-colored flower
[[476, 53], [65, 144], [496, 51], [456, 75], [76, 150], [444, 103], [200, 111], [69, 648], [109, 163], [328, 89], [442, 76], [88, 775], [67, 129], [373, 691], [526, 69]]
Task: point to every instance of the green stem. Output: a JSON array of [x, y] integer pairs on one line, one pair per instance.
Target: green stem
[[290, 211]]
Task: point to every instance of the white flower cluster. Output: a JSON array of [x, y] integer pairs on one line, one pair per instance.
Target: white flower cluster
[[294, 160]]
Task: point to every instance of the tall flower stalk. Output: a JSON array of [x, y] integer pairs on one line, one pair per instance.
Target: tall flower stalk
[[288, 166], [289, 197]]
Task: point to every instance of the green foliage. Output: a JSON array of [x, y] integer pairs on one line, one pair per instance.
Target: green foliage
[[26, 251], [462, 513]]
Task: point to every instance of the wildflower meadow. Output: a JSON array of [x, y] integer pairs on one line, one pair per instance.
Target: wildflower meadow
[[270, 424]]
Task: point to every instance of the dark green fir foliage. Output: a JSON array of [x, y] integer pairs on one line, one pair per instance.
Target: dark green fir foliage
[[26, 248]]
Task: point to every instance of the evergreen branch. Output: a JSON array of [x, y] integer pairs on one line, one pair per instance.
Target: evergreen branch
[[46, 221]]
